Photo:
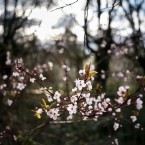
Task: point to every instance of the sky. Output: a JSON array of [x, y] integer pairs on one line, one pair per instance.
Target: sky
[[49, 20], [50, 28]]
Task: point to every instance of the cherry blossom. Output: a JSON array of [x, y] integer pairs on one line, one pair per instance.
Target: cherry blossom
[[57, 96], [74, 89], [50, 64], [122, 91], [32, 80], [5, 77], [89, 85], [137, 126], [139, 104], [134, 118], [120, 100], [74, 98], [82, 72], [116, 126], [84, 101], [21, 86], [65, 67], [116, 141], [80, 84], [15, 74], [53, 113], [39, 111], [8, 58], [10, 102], [70, 117], [72, 109], [49, 97], [129, 102], [42, 77]]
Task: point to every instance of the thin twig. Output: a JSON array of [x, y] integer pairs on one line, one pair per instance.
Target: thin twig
[[64, 6], [28, 73]]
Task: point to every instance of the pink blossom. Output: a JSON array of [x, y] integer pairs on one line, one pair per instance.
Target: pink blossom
[[80, 84], [72, 109], [42, 77], [89, 85], [57, 96], [74, 99], [134, 118], [122, 90], [53, 113]]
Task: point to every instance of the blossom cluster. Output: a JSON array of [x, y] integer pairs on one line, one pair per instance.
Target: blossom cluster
[[85, 102]]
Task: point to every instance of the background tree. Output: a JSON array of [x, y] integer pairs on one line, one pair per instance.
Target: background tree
[[110, 38]]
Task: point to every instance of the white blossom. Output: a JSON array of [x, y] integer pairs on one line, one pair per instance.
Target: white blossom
[[64, 78], [107, 100], [15, 74], [122, 91], [104, 104], [120, 100], [61, 51], [89, 101], [57, 96], [120, 75], [134, 118], [139, 104], [109, 109], [116, 141], [21, 78], [5, 77], [8, 58], [129, 102], [2, 86], [53, 113], [10, 102], [70, 117], [65, 67], [89, 85], [15, 137], [50, 64], [21, 86], [101, 108], [42, 77], [82, 72], [74, 89], [137, 126], [127, 87], [32, 80], [118, 110], [74, 99], [116, 126], [86, 95], [72, 109], [49, 98], [80, 84], [39, 111]]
